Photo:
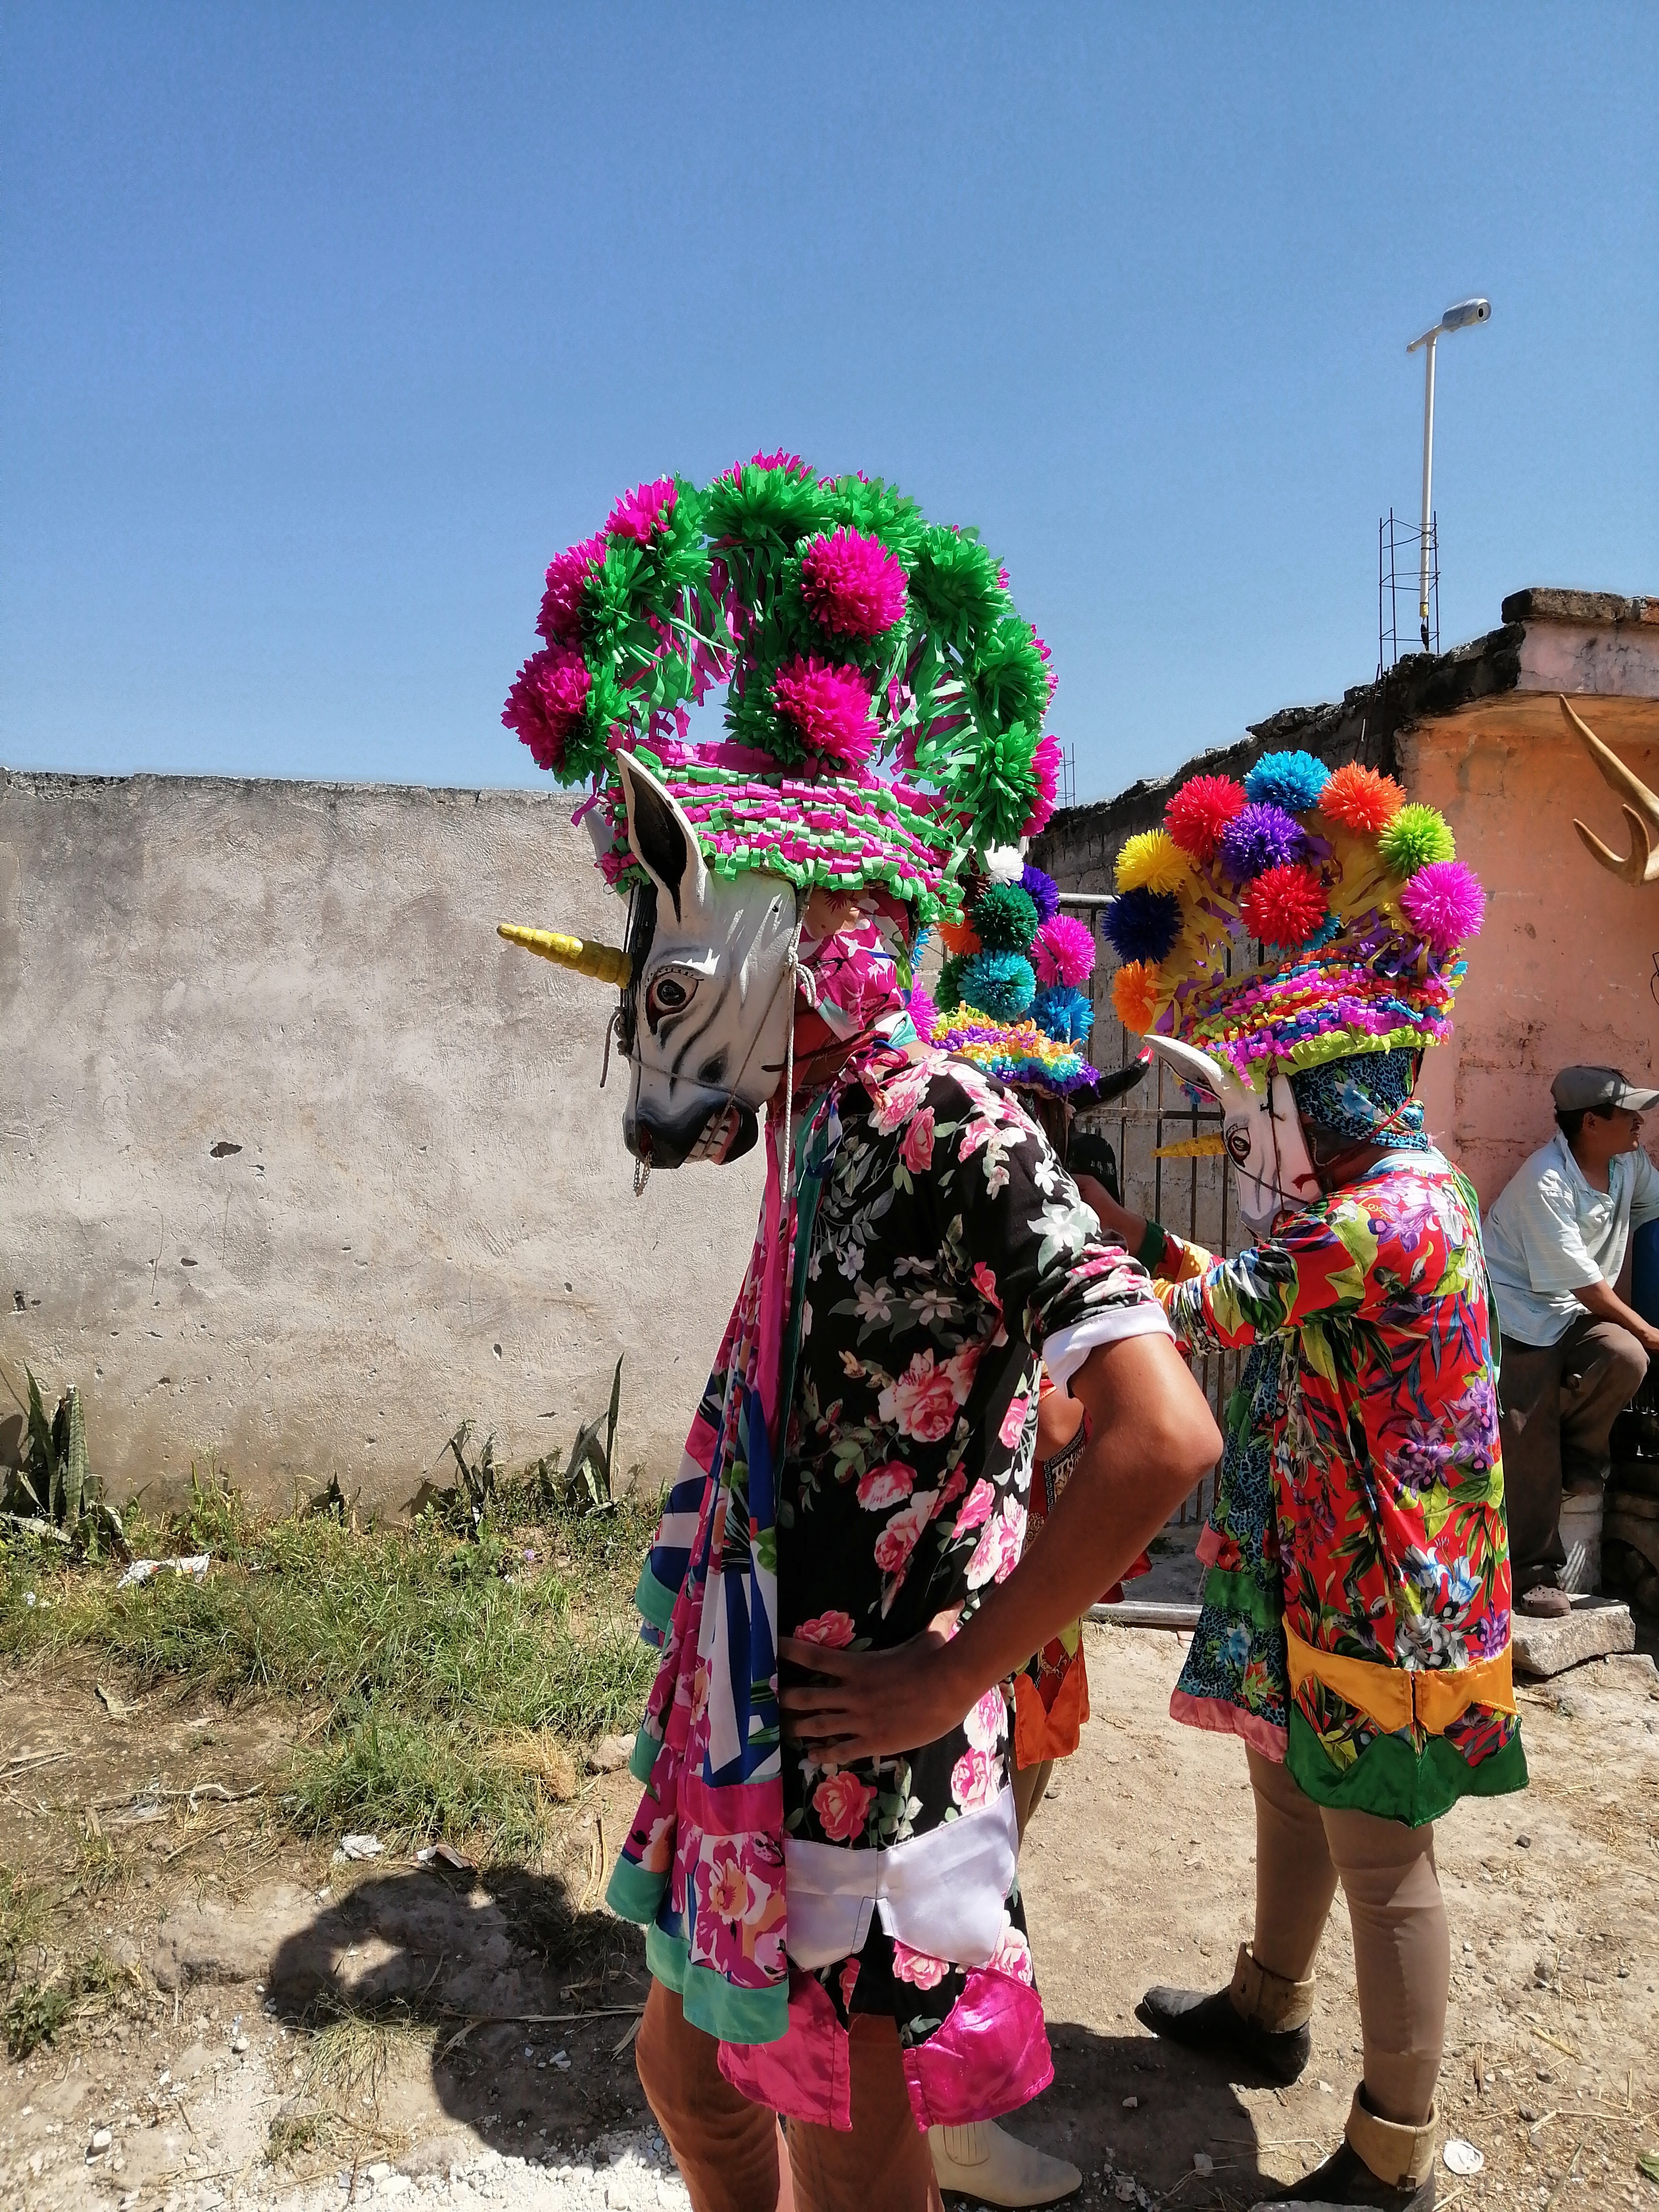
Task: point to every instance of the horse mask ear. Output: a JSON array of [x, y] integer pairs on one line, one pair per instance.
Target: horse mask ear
[[661, 839]]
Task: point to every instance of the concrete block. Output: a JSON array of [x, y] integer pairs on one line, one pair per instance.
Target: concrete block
[[1590, 1631]]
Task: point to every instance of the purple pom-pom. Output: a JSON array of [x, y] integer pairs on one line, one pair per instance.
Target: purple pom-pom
[[1039, 890], [1260, 837], [922, 1011], [1444, 903]]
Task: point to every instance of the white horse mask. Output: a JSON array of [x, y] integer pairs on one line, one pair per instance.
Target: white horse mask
[[710, 998], [1262, 1136]]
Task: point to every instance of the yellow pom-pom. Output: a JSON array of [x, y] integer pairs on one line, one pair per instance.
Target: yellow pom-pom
[[1152, 861], [1135, 994]]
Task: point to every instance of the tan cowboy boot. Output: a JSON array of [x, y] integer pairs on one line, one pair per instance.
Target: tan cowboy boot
[[984, 2161], [1260, 2018], [1382, 2166]]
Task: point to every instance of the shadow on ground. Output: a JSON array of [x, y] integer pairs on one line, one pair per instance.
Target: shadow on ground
[[532, 2004]]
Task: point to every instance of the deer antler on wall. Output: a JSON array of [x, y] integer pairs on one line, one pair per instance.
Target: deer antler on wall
[[1641, 864]]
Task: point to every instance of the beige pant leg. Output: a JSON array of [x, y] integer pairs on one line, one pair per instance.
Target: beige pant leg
[[1402, 1958], [1294, 1879]]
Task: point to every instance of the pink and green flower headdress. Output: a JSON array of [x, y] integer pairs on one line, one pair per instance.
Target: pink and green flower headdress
[[884, 697], [1357, 896]]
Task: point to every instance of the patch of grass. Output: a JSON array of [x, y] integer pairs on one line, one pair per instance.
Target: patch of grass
[[449, 1671], [35, 2008]]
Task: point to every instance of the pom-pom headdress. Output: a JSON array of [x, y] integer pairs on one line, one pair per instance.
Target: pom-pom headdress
[[884, 701], [1356, 898], [1016, 1004]]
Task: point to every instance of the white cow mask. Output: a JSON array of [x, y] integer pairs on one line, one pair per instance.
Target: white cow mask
[[711, 995], [1263, 1136]]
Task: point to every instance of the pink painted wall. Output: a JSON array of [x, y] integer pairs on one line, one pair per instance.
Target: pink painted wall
[[1563, 970]]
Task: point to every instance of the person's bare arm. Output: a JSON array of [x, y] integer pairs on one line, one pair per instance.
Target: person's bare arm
[[1153, 1438], [1126, 1229], [1605, 1303]]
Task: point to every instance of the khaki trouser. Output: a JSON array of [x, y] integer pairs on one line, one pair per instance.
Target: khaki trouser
[[729, 2152], [1559, 1403], [1401, 1945]]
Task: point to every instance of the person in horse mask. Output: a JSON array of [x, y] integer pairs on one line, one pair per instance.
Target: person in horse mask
[[833, 1923], [1354, 1629]]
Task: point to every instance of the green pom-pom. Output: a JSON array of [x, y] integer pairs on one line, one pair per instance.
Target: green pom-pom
[[948, 994], [955, 583], [1009, 675], [1416, 836], [777, 506], [1005, 918], [876, 510]]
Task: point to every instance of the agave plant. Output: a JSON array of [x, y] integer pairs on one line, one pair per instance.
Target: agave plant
[[53, 1491], [590, 1459]]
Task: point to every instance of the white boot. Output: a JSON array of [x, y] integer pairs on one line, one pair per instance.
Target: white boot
[[985, 2162]]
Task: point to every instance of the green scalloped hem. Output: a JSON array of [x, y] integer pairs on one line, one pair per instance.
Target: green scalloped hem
[[1391, 1780], [710, 2003], [653, 1600]]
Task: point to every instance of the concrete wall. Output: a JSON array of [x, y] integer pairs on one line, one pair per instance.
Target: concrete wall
[[300, 1165], [1563, 970]]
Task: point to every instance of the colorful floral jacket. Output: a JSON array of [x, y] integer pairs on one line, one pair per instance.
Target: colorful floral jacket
[[1381, 1432], [939, 1243]]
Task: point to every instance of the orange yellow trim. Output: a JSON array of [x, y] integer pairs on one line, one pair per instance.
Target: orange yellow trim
[[1397, 1697]]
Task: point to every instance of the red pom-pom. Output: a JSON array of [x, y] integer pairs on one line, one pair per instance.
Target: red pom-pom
[[1284, 905], [1198, 813]]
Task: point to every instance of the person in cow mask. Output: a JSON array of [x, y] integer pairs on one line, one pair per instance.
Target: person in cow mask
[[1355, 1625], [833, 1922]]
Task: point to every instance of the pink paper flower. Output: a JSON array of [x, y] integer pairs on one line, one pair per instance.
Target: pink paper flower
[[559, 619], [547, 702], [1064, 952], [1045, 766], [1444, 903], [840, 1801], [639, 514], [884, 1485], [829, 707], [917, 1150], [835, 1629], [852, 584], [919, 1968]]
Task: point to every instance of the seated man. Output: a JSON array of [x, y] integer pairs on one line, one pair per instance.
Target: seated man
[[1574, 1351]]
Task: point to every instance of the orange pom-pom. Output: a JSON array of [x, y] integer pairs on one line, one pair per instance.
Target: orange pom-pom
[[1361, 799], [1136, 995], [959, 937]]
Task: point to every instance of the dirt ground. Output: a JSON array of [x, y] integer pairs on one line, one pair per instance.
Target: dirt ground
[[272, 2028]]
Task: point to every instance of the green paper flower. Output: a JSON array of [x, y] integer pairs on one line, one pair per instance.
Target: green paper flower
[[1416, 836], [1005, 918]]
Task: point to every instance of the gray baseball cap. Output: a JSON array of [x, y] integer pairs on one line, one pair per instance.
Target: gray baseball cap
[[1595, 1090]]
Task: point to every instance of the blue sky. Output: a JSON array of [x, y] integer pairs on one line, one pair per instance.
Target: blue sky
[[323, 327]]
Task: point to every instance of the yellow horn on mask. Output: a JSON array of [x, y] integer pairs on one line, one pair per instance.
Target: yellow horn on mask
[[606, 964]]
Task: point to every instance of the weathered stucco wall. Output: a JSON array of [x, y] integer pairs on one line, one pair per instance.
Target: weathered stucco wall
[[1564, 968], [300, 1165]]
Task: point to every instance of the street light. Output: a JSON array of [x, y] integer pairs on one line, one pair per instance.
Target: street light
[[1459, 318]]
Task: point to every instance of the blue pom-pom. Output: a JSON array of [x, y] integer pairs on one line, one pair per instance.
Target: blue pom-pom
[[1001, 984], [1040, 890], [1292, 781], [1144, 925], [1063, 1012]]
